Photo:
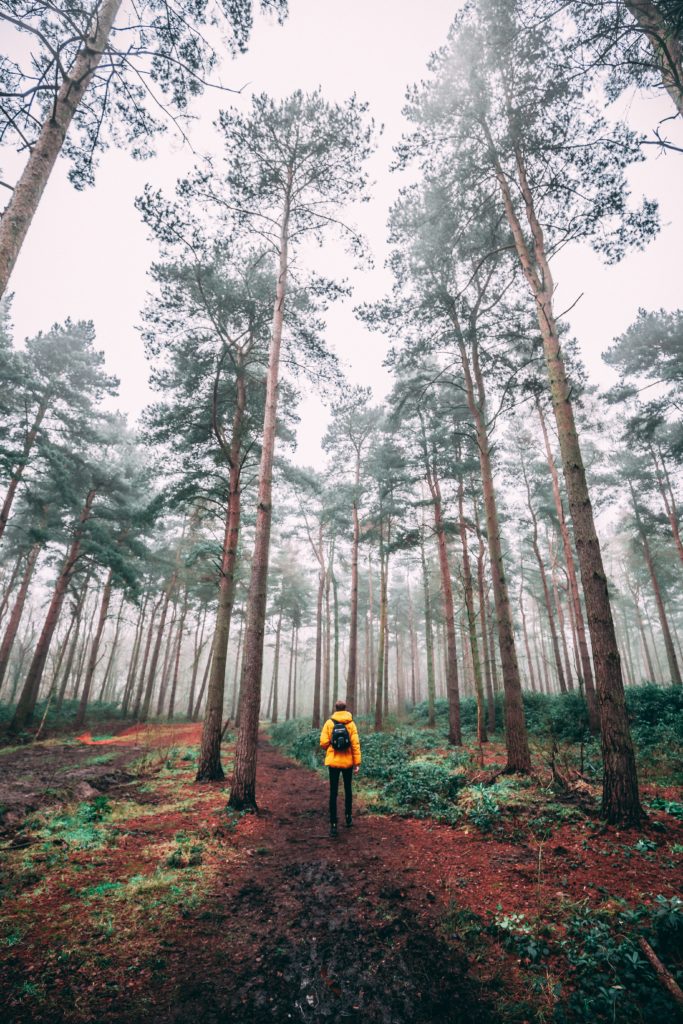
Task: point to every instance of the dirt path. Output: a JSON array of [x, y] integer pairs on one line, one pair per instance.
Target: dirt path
[[309, 928]]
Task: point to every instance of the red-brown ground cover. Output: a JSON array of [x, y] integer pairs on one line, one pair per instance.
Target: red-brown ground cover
[[279, 922]]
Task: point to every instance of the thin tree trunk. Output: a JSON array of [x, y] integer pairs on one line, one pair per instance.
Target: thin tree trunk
[[27, 193], [243, 792], [110, 661], [29, 693], [328, 643], [168, 656], [17, 610], [351, 678], [316, 723], [482, 736], [135, 654], [76, 619], [94, 651], [8, 589], [276, 668], [236, 673], [381, 651], [202, 688], [575, 599], [452, 682], [147, 699], [335, 666], [176, 667], [483, 616], [525, 634], [296, 669], [674, 670], [288, 706], [198, 648], [517, 744]]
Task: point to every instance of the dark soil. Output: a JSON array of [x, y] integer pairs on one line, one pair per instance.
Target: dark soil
[[315, 928]]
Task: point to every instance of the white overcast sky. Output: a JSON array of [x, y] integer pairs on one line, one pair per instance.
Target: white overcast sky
[[87, 253]]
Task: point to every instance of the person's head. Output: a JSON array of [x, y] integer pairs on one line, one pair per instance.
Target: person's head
[[340, 705]]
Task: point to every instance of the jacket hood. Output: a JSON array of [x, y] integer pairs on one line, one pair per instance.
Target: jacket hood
[[342, 716]]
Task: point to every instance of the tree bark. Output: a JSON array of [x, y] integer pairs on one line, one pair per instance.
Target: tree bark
[[27, 193], [288, 706], [176, 666], [482, 736], [517, 744], [674, 670], [381, 649], [452, 681], [94, 651], [243, 792], [666, 47], [276, 668], [17, 610], [483, 616], [147, 699], [351, 678], [29, 693], [620, 796], [29, 441], [544, 583], [574, 596], [209, 767]]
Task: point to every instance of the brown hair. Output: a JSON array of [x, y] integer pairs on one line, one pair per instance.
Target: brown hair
[[340, 705]]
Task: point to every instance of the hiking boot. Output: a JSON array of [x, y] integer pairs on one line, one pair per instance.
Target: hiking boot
[[333, 830], [349, 821]]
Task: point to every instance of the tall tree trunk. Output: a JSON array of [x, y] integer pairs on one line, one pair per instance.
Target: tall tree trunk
[[106, 690], [517, 744], [335, 665], [620, 796], [75, 620], [94, 651], [674, 670], [525, 634], [29, 693], [544, 583], [198, 648], [351, 678], [202, 688], [296, 669], [413, 650], [168, 656], [288, 706], [8, 588], [666, 491], [276, 668], [381, 649], [482, 736], [243, 792], [328, 643], [452, 682], [561, 624], [371, 666], [18, 610], [317, 679], [209, 767], [483, 617], [19, 212], [140, 689], [236, 673], [176, 666], [29, 439], [134, 656], [151, 676], [574, 596]]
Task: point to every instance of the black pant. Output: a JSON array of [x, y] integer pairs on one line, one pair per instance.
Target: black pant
[[334, 789]]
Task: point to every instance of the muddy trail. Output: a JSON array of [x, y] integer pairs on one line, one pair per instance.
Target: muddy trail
[[313, 928]]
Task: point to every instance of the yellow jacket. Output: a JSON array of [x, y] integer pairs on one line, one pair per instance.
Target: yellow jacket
[[341, 758]]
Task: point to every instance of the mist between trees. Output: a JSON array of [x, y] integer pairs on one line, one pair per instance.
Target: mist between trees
[[184, 567]]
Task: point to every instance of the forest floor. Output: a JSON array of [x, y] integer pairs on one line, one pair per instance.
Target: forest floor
[[132, 894]]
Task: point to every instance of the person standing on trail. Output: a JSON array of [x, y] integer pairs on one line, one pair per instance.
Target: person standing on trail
[[339, 737]]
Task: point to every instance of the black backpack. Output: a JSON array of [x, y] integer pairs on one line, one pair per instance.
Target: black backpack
[[340, 739]]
